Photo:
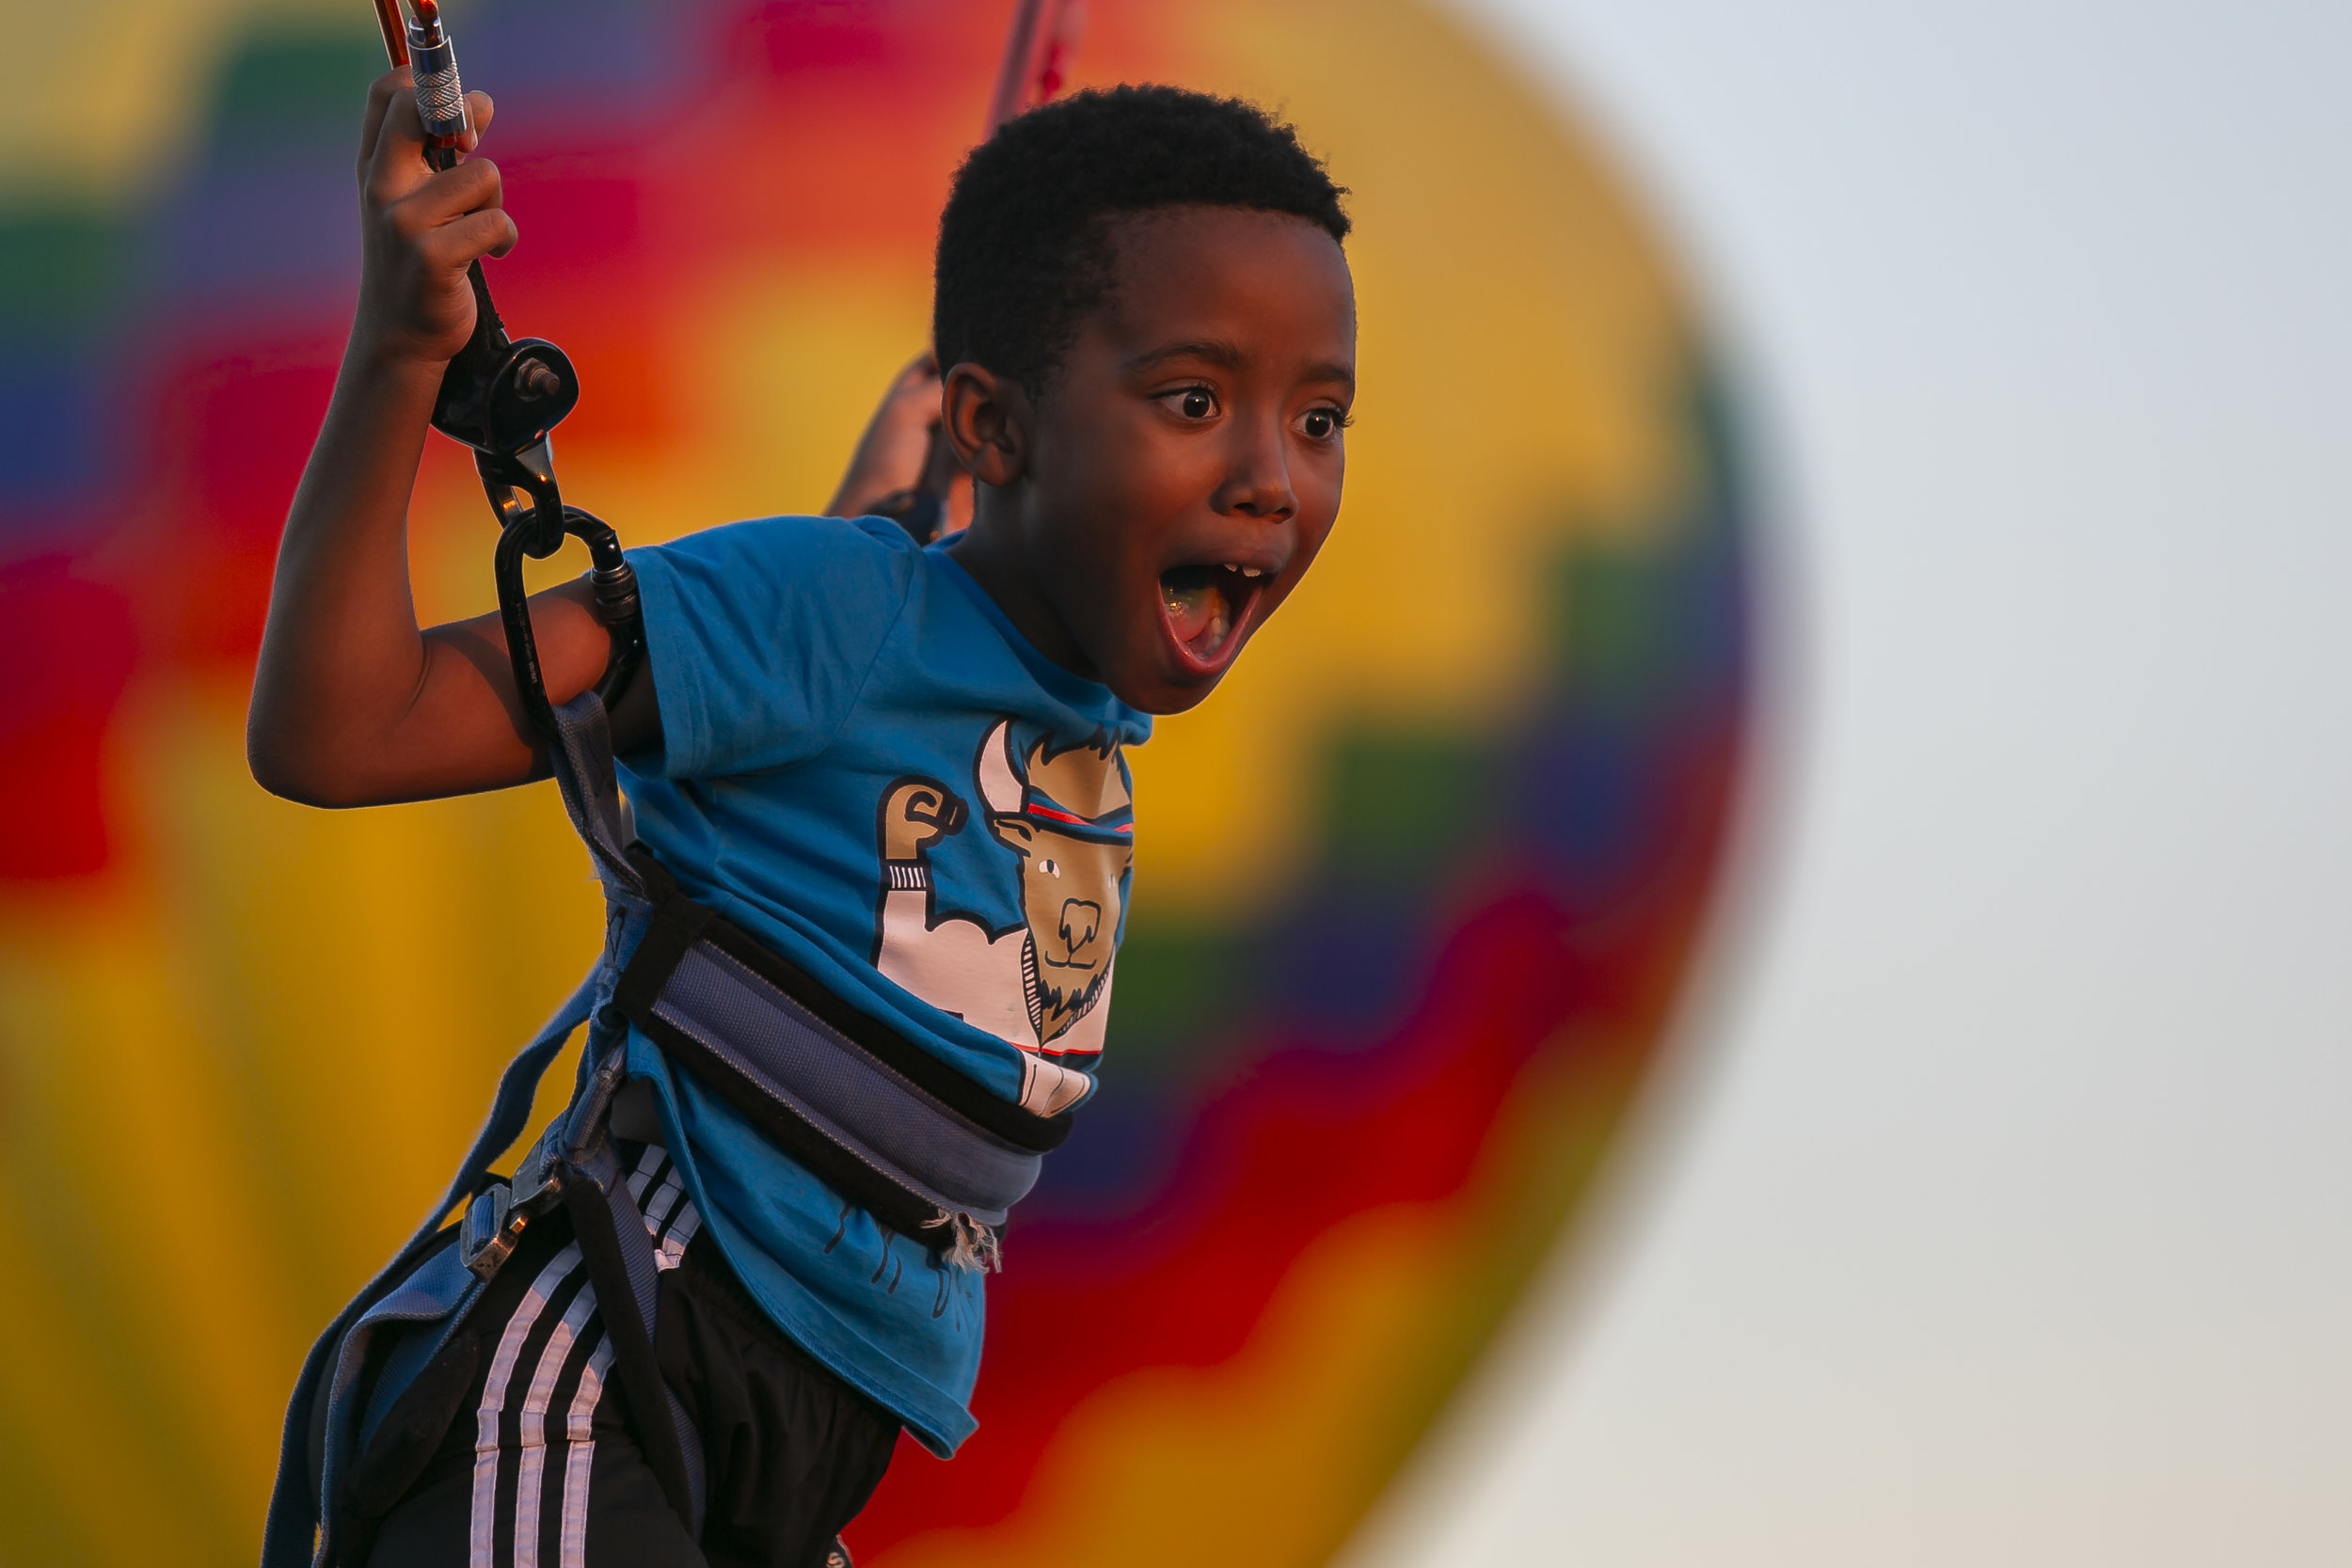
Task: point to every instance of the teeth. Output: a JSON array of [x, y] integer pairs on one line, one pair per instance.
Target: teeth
[[1251, 572]]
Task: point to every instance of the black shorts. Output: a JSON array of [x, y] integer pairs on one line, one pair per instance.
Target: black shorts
[[539, 1467]]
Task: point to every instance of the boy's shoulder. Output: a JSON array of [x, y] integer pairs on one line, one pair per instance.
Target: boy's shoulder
[[793, 544], [761, 634], [853, 575]]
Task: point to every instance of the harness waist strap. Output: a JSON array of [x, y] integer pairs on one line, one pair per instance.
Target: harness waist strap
[[891, 1126]]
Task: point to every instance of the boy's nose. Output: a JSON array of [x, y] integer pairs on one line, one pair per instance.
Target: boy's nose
[[1258, 484]]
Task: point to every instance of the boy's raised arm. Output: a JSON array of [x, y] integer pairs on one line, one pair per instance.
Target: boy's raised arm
[[354, 703]]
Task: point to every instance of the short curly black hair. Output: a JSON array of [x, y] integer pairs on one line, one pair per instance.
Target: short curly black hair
[[1023, 243]]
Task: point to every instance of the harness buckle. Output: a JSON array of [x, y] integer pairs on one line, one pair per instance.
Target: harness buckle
[[493, 1222]]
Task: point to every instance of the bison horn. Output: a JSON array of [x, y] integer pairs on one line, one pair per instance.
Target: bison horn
[[999, 786]]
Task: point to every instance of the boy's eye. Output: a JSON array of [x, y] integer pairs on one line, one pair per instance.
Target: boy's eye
[[1192, 403], [1321, 424]]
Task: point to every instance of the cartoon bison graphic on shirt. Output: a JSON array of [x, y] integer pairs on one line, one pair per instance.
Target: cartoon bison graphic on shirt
[[1045, 984]]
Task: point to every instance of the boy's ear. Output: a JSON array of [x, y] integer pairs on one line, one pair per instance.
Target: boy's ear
[[986, 417]]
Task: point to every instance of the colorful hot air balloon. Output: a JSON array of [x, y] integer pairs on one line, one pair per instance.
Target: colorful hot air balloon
[[1414, 897]]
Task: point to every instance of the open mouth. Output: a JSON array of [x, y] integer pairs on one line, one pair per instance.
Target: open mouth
[[1207, 606]]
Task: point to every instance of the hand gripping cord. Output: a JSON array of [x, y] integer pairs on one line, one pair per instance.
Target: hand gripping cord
[[502, 396]]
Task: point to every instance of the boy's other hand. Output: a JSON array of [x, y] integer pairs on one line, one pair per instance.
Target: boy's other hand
[[420, 229], [890, 457]]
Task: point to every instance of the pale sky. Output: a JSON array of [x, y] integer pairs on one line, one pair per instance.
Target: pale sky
[[2003, 1212]]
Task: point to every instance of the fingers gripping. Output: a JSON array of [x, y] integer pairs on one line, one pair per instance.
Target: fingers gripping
[[472, 187], [380, 95], [451, 246], [424, 228], [391, 138]]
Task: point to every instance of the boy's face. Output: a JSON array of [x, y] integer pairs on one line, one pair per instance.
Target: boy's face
[[1184, 467]]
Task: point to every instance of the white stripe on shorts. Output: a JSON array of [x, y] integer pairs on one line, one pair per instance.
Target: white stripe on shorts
[[482, 1547], [672, 1222], [531, 1475], [580, 1444]]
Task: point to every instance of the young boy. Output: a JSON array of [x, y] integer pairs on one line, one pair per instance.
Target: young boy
[[898, 768]]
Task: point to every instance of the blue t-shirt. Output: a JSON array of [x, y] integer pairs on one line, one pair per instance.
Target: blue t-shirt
[[865, 766]]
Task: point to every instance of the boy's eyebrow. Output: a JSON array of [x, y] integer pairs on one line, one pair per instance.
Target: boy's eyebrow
[[1228, 355], [1219, 352], [1333, 370]]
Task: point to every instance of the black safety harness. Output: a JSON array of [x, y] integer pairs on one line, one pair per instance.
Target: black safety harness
[[929, 1153]]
